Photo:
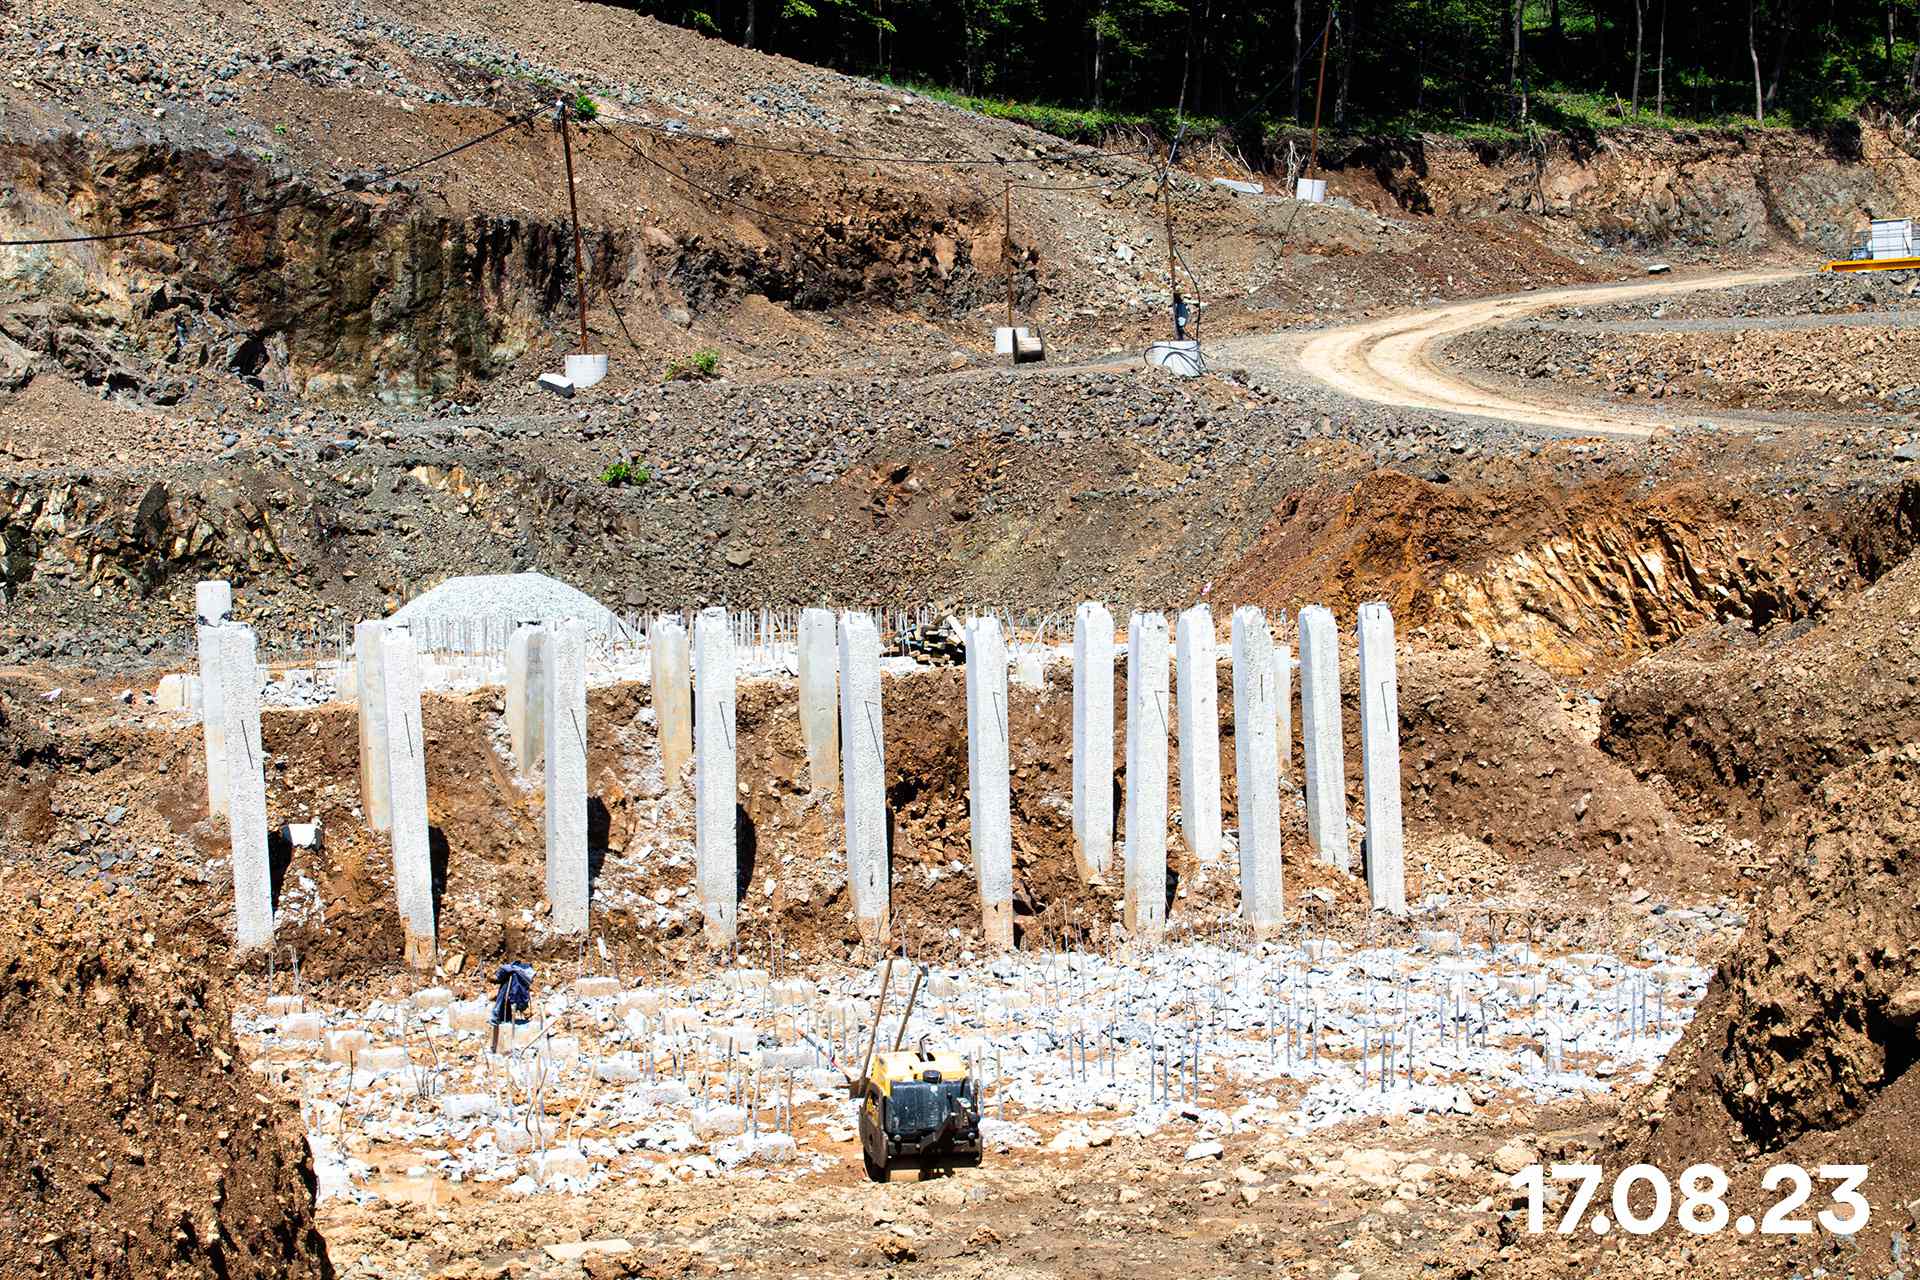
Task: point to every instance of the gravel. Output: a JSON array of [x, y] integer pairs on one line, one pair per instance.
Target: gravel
[[504, 598]]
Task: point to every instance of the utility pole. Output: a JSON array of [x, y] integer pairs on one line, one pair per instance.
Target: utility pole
[[1173, 279], [1006, 254], [1326, 38], [573, 204]]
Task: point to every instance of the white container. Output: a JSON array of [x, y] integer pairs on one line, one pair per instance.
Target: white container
[[586, 371], [1890, 238], [1181, 356], [1312, 190]]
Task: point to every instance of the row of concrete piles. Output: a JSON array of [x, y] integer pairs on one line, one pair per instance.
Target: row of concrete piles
[[842, 727]]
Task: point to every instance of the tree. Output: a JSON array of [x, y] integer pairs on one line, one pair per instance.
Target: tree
[[1514, 86], [1753, 52], [1660, 70], [1639, 33]]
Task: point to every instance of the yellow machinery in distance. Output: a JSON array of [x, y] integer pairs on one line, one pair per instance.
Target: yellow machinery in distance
[[919, 1108], [1874, 264]]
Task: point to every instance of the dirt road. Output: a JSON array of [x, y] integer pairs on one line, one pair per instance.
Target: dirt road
[[1397, 360]]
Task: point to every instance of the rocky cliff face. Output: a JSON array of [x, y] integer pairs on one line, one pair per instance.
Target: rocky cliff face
[[1736, 192], [383, 293], [369, 296]]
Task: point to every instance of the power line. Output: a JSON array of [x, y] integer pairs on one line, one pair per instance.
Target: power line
[[294, 202], [674, 173], [687, 135], [757, 210]]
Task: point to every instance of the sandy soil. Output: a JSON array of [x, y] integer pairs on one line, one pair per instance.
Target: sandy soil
[[1393, 361]]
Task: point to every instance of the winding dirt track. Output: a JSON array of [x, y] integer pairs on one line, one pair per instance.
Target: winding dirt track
[[1396, 360]]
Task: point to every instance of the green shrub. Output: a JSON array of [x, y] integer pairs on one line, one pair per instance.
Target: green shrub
[[697, 367], [586, 108], [619, 474]]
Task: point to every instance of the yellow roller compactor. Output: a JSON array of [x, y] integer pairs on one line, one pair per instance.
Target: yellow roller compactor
[[919, 1108]]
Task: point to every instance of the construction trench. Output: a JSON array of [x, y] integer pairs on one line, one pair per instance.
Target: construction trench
[[1468, 728], [1204, 1003]]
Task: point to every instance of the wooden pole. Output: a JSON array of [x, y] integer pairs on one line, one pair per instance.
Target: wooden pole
[[1326, 38], [1173, 280], [573, 204], [1006, 253]]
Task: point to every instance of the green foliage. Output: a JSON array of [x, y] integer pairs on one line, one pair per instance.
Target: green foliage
[[1083, 67], [585, 108], [619, 474], [697, 367]]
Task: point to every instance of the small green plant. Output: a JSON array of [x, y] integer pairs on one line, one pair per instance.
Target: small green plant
[[620, 474], [585, 108], [280, 129], [697, 367]]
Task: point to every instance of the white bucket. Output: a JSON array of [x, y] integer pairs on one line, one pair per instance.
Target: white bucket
[[586, 371], [1181, 356]]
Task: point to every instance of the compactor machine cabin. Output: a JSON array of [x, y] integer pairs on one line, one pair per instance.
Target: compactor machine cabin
[[919, 1108]]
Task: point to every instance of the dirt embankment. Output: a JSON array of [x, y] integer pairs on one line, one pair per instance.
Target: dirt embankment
[[1720, 193], [1804, 1050], [1749, 724], [1580, 578], [133, 1143]]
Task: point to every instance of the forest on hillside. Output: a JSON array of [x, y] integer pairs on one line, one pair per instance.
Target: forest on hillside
[[1425, 63]]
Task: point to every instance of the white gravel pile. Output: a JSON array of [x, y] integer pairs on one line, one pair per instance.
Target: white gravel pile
[[504, 598]]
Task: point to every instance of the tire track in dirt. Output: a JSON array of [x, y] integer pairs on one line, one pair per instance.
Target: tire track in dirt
[[1396, 360]]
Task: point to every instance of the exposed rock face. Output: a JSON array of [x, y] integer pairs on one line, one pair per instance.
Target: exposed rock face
[[384, 293], [1738, 191], [134, 534], [369, 296], [1577, 579]]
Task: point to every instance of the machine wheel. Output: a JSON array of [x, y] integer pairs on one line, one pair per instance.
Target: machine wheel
[[875, 1173]]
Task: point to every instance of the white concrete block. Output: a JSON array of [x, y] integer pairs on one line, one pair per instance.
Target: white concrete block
[[1145, 910], [376, 787], [1322, 741], [1197, 698], [1093, 740], [672, 697], [212, 602], [1257, 770], [526, 710], [178, 692], [470, 1015], [407, 784], [563, 692], [863, 771], [1386, 859], [233, 656], [820, 698], [717, 848], [990, 802]]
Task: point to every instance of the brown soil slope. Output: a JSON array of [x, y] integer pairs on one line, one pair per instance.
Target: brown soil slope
[[1751, 723], [133, 1143], [1805, 1047]]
